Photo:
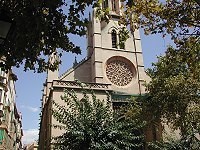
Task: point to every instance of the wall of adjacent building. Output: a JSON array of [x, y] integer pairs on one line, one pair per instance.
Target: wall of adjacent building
[[10, 119]]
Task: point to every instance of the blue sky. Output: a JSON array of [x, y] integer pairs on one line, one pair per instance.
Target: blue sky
[[29, 84]]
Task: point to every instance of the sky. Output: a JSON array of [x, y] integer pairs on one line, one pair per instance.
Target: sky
[[30, 84]]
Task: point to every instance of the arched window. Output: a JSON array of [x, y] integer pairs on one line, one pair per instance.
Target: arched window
[[1, 95], [115, 5], [121, 41], [105, 4], [114, 39]]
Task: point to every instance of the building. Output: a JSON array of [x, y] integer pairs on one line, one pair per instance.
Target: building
[[109, 66], [32, 146], [10, 119]]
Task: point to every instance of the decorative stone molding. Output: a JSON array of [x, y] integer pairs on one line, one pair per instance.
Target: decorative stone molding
[[74, 84], [120, 71]]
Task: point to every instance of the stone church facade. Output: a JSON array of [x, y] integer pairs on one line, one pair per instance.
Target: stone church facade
[[107, 67]]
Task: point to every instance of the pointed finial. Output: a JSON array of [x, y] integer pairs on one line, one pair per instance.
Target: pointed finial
[[53, 58], [75, 62], [89, 16]]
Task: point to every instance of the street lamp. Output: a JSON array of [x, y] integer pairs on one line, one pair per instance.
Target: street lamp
[[5, 26]]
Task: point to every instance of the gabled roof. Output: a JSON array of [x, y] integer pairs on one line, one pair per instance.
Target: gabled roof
[[75, 66]]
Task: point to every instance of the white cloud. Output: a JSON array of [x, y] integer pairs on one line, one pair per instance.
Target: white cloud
[[32, 109], [30, 136]]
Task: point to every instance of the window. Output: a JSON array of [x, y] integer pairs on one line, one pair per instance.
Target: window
[[1, 80], [114, 39], [114, 8], [1, 94], [2, 72], [105, 3], [120, 71], [121, 42]]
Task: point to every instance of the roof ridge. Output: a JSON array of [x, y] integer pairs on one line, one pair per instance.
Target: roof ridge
[[73, 67]]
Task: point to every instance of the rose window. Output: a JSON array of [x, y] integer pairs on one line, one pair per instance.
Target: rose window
[[119, 72]]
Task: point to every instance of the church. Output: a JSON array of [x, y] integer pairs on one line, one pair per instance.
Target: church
[[108, 66]]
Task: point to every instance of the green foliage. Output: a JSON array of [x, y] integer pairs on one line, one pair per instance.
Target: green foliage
[[89, 124], [189, 142], [174, 89], [178, 18], [39, 28], [175, 85], [123, 36]]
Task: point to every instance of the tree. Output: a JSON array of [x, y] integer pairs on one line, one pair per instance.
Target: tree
[[188, 143], [39, 28], [175, 88], [89, 123], [175, 17]]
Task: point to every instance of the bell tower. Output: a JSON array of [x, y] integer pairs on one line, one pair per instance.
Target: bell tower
[[121, 65]]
